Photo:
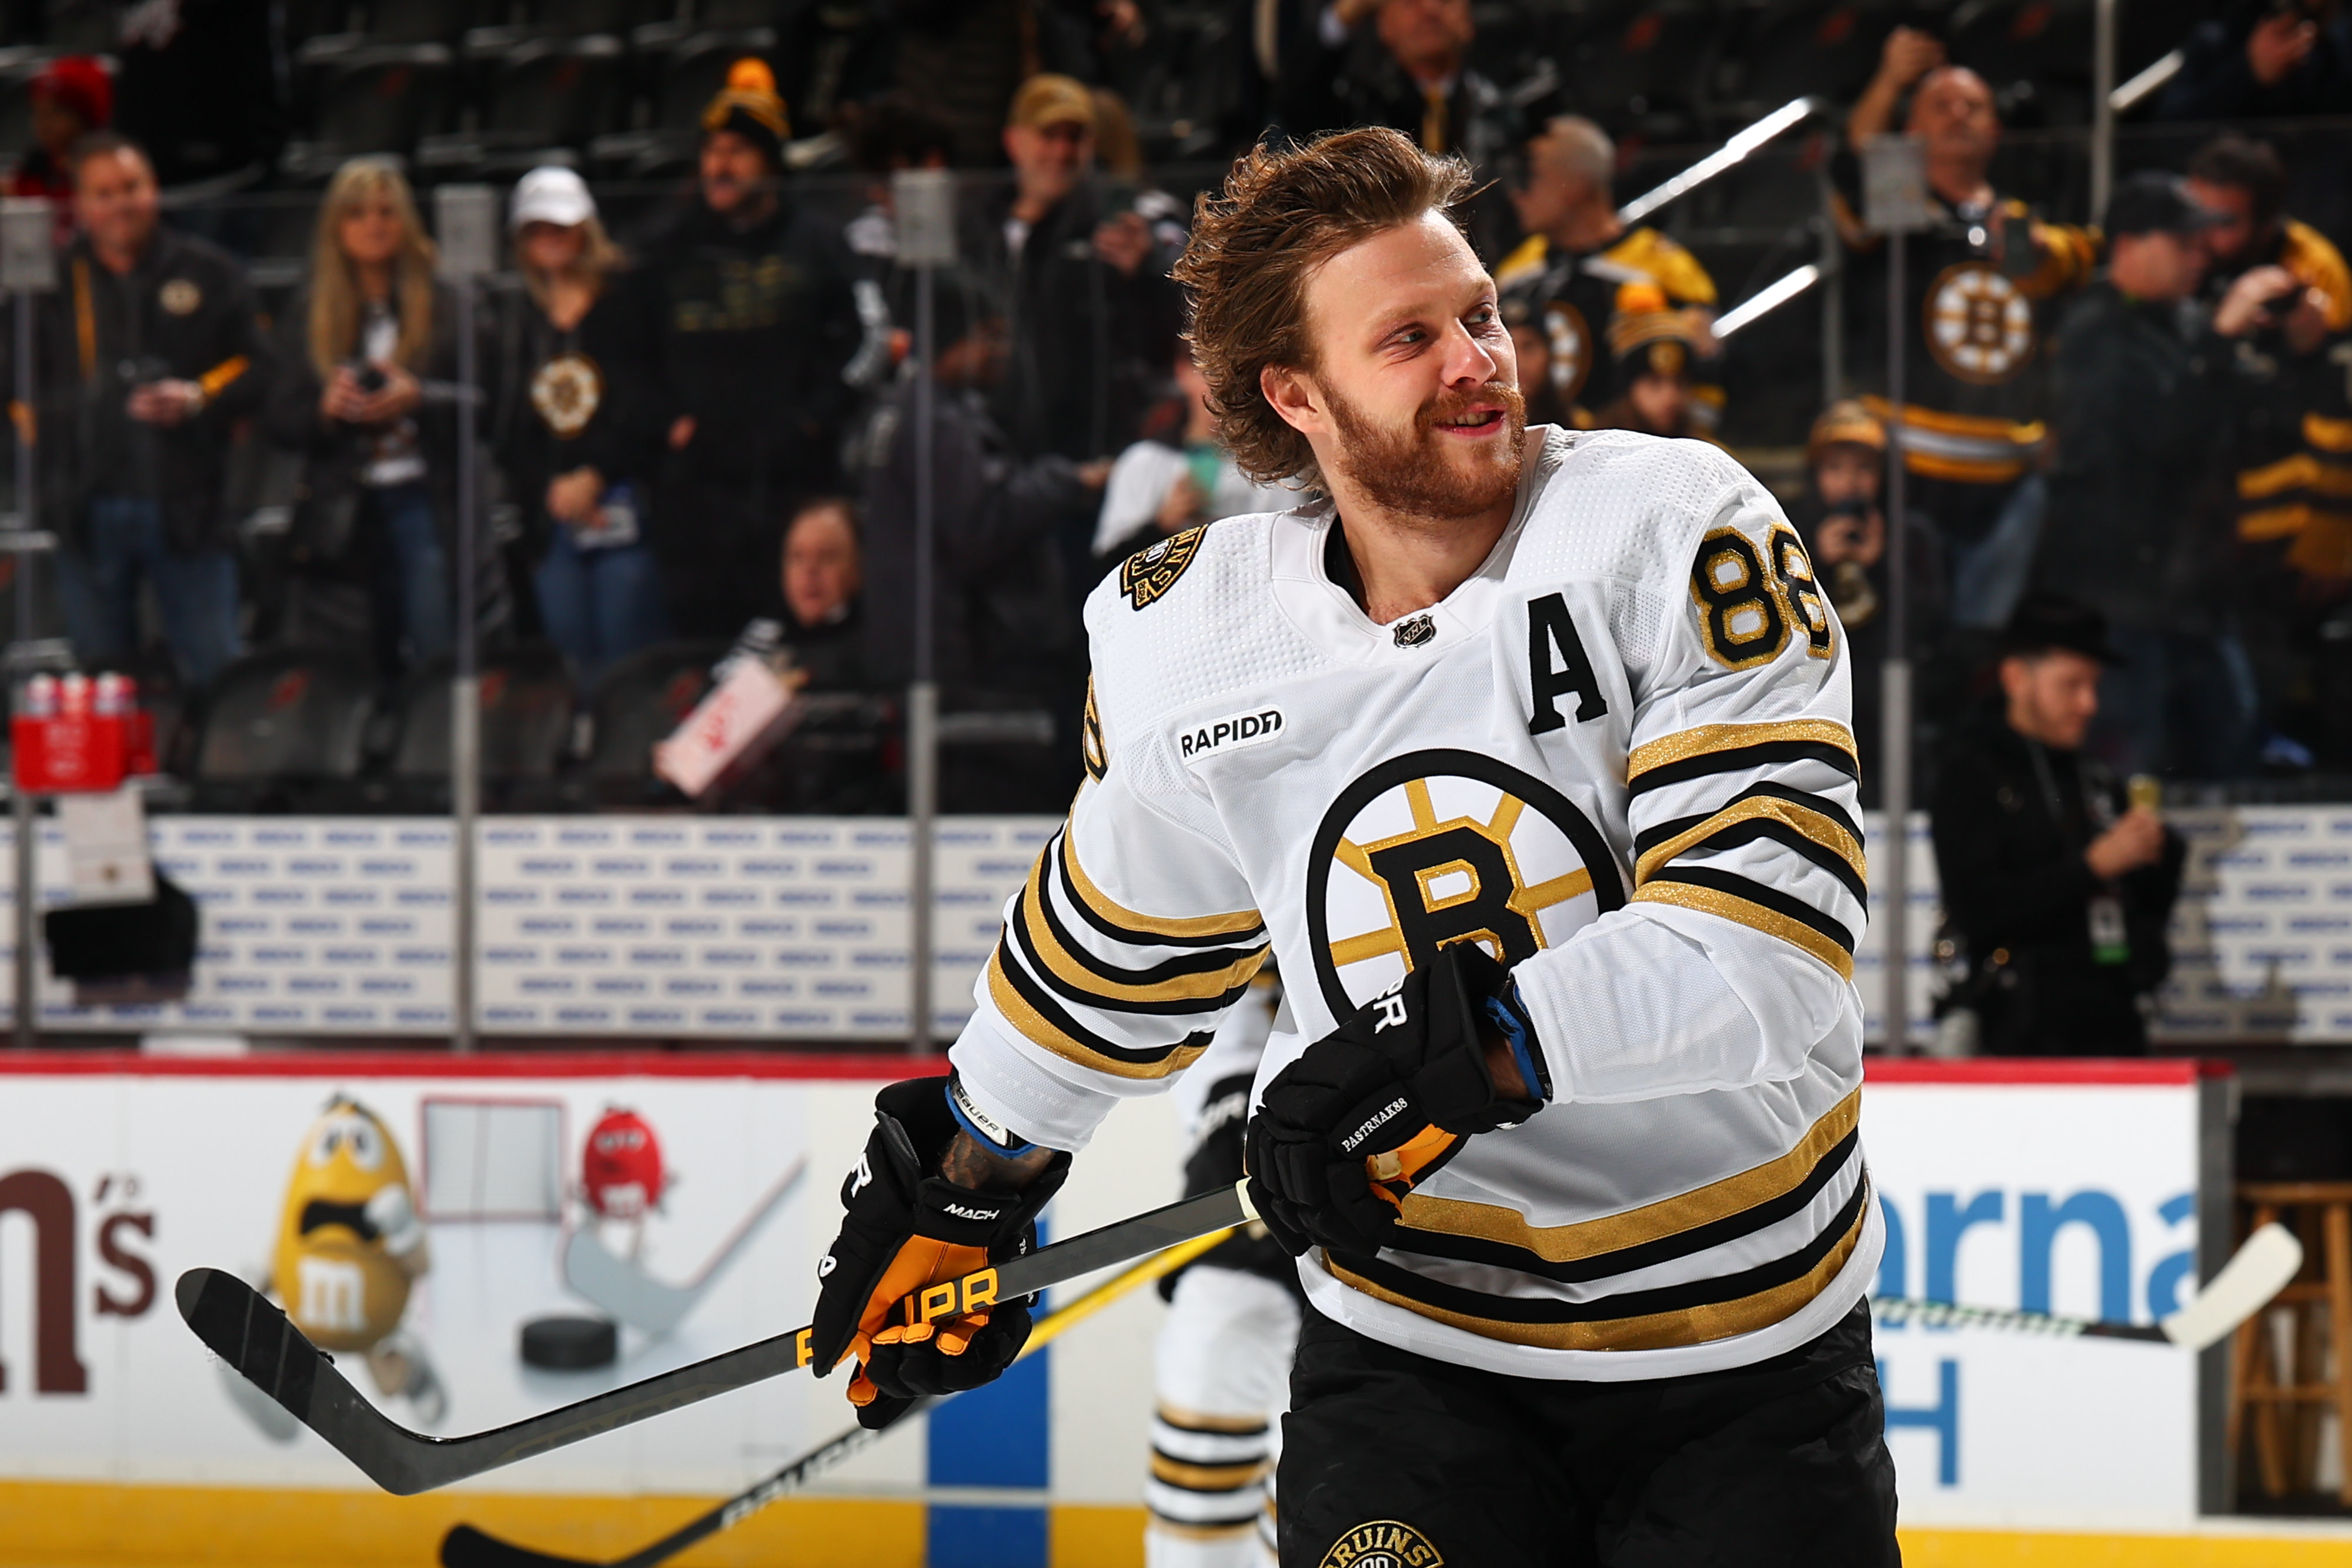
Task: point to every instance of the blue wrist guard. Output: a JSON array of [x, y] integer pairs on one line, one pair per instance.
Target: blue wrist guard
[[990, 1134]]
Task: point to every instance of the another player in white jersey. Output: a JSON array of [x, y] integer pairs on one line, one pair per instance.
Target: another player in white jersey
[[1529, 754], [1221, 1370]]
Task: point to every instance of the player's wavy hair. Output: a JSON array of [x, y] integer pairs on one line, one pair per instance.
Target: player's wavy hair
[[1282, 213]]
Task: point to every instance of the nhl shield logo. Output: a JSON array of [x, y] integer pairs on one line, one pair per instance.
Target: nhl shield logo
[[1438, 847], [1151, 572], [1383, 1544]]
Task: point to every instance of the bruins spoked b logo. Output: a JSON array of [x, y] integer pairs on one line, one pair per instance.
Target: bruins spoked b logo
[[1439, 847], [1383, 1544]]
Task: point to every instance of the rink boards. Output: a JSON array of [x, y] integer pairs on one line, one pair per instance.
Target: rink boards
[[734, 928], [2076, 1187]]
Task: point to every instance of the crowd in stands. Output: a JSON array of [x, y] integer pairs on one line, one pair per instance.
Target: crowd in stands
[[694, 385]]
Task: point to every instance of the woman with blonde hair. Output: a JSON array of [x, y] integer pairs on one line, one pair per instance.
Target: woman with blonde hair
[[581, 430], [369, 397]]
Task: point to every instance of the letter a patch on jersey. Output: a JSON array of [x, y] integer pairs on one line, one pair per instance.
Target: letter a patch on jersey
[[1151, 571]]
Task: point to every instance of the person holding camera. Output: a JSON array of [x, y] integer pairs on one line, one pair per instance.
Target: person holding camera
[[370, 400], [1846, 532], [2057, 884], [2142, 393], [149, 353]]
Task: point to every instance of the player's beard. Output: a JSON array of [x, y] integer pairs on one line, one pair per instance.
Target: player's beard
[[1407, 472]]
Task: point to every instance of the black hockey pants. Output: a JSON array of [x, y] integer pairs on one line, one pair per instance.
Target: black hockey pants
[[1393, 1460]]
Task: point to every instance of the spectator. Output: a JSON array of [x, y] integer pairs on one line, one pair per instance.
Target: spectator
[[759, 322], [2057, 888], [1002, 615], [1652, 351], [822, 577], [2263, 60], [967, 58], [581, 435], [71, 98], [1157, 489], [887, 134], [2290, 452], [1401, 63], [1565, 279], [149, 356], [369, 397], [1094, 314], [2138, 407], [1982, 282], [1843, 527]]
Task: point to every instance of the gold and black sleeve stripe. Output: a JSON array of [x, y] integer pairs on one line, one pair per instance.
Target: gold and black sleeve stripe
[[1044, 1023], [1696, 1312], [1811, 825], [1712, 1216], [1749, 903], [1192, 983], [1114, 920], [1731, 748]]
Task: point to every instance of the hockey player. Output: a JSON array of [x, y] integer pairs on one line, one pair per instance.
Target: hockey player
[[1221, 1370], [1529, 753]]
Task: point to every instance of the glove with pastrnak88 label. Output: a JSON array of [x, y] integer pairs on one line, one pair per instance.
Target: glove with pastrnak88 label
[[1377, 1105], [907, 1225]]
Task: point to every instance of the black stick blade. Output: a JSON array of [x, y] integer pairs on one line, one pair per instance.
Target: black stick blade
[[465, 1547], [238, 1324]]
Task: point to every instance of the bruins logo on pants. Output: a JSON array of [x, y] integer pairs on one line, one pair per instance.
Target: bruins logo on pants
[[1439, 847], [1383, 1544]]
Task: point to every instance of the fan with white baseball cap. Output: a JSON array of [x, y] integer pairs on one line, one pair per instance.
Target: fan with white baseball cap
[[551, 194]]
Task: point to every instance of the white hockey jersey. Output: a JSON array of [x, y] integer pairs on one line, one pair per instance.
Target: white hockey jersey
[[1619, 757]]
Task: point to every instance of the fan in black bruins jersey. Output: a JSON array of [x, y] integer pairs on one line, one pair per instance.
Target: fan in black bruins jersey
[[1528, 753]]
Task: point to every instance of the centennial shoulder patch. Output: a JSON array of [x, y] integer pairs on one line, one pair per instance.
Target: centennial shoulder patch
[[1383, 1544], [1151, 571]]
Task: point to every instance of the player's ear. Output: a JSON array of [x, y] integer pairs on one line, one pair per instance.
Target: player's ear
[[1295, 397]]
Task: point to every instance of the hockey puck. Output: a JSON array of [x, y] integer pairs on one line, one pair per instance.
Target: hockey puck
[[569, 1344]]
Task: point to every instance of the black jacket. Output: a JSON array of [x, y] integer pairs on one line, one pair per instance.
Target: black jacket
[[185, 312], [324, 540], [1089, 348], [1002, 613], [2139, 400], [755, 325], [588, 398], [2017, 892], [1360, 83]]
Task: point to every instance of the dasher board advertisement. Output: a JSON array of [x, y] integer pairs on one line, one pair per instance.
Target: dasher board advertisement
[[2080, 1187]]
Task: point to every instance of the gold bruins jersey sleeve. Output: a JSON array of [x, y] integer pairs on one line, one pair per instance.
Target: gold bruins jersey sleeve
[[1732, 962]]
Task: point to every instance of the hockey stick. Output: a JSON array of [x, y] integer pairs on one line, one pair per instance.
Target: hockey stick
[[2258, 1271], [467, 1547], [624, 1292], [254, 1337]]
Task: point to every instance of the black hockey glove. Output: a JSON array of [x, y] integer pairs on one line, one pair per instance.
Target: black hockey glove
[[1372, 1109], [906, 1227]]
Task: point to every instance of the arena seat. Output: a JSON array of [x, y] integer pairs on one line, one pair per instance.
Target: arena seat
[[306, 19], [1797, 47], [284, 729], [1643, 68], [554, 90], [2035, 54], [381, 97], [425, 21], [593, 16], [527, 705], [640, 701], [17, 69]]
